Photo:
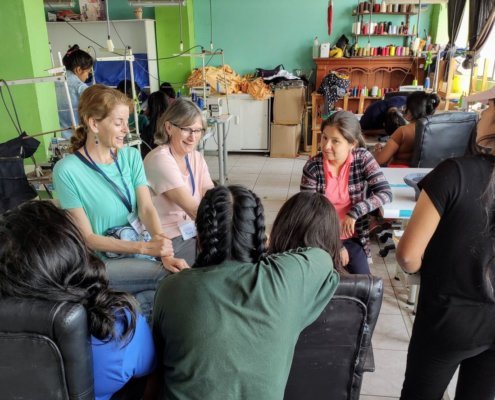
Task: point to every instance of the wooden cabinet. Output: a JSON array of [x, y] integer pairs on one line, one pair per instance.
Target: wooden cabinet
[[384, 72]]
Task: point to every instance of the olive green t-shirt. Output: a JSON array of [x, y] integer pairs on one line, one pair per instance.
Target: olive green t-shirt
[[229, 331]]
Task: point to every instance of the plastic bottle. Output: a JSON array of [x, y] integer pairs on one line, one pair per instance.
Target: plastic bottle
[[316, 47], [427, 82]]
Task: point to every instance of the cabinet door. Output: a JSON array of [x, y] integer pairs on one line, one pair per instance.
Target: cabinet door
[[248, 128], [254, 121]]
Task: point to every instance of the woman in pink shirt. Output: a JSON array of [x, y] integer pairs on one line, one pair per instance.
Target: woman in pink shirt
[[178, 175], [348, 175]]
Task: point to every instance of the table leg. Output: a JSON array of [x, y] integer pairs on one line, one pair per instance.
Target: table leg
[[225, 153], [221, 166]]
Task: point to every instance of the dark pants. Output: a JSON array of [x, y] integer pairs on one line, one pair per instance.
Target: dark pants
[[429, 371], [358, 261]]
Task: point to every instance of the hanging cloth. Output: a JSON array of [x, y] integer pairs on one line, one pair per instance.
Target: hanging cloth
[[329, 16], [14, 186]]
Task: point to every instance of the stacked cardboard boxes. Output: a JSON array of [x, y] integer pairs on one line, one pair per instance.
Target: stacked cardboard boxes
[[288, 107]]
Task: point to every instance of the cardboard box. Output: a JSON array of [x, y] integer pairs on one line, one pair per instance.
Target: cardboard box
[[285, 140], [288, 106]]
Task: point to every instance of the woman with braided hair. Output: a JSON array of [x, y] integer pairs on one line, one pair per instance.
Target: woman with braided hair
[[227, 328]]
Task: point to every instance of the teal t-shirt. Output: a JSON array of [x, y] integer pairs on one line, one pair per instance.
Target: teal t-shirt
[[79, 186], [228, 331]]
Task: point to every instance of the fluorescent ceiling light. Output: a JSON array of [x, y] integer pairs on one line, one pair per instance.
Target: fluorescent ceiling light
[[156, 3]]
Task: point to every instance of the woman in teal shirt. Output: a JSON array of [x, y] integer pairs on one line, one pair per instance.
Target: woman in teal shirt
[[103, 186]]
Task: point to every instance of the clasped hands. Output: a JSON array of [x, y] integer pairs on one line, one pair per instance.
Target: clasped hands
[[161, 246]]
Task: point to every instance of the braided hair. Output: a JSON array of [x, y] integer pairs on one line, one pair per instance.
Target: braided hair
[[43, 256], [231, 226]]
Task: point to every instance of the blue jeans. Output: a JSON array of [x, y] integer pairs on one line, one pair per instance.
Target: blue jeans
[[137, 277], [185, 249], [358, 261]]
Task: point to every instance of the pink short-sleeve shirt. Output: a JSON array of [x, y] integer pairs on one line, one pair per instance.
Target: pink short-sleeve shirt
[[164, 174]]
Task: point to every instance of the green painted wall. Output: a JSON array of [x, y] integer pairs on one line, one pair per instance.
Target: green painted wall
[[172, 69], [26, 55], [260, 33], [439, 26]]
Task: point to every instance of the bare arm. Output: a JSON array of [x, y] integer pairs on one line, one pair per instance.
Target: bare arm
[[420, 229], [384, 155], [104, 243], [183, 199], [147, 211], [149, 217]]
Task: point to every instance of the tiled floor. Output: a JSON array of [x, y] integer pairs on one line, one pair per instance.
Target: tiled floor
[[274, 180]]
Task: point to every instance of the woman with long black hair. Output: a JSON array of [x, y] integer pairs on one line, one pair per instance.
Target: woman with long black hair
[[43, 256]]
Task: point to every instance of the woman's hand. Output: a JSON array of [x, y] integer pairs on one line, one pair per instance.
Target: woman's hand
[[174, 265], [347, 226], [344, 256], [158, 246]]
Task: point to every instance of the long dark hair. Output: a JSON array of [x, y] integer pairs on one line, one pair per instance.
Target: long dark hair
[[157, 104], [75, 57], [43, 256], [348, 126], [307, 219], [231, 226], [420, 104]]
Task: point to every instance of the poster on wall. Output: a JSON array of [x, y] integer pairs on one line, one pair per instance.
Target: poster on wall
[[92, 10]]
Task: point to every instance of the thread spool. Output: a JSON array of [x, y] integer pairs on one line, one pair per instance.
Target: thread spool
[[374, 91], [392, 50]]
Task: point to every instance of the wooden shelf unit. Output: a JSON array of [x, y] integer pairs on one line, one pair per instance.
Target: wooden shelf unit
[[384, 13], [382, 35], [384, 72]]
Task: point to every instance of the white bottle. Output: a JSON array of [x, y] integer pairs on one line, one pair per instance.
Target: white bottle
[[316, 47], [383, 7]]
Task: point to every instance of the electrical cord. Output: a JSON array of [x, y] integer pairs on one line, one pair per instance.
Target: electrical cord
[[16, 122]]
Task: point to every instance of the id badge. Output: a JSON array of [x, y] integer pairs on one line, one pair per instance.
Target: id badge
[[187, 230], [136, 223]]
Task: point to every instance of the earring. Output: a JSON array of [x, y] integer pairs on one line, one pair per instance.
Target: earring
[[97, 139]]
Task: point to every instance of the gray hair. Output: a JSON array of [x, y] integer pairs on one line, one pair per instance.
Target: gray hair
[[181, 112]]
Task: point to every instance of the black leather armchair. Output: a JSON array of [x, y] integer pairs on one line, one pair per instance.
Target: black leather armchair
[[333, 352], [45, 351], [442, 136]]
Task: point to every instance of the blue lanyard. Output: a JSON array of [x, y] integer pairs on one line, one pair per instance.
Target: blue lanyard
[[189, 169], [126, 199], [193, 184]]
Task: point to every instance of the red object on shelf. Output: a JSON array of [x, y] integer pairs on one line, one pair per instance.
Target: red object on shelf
[[329, 16]]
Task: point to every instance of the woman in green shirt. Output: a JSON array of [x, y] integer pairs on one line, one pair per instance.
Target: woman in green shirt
[[227, 328]]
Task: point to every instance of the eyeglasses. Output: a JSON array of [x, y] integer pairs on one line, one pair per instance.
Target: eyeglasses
[[189, 130]]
